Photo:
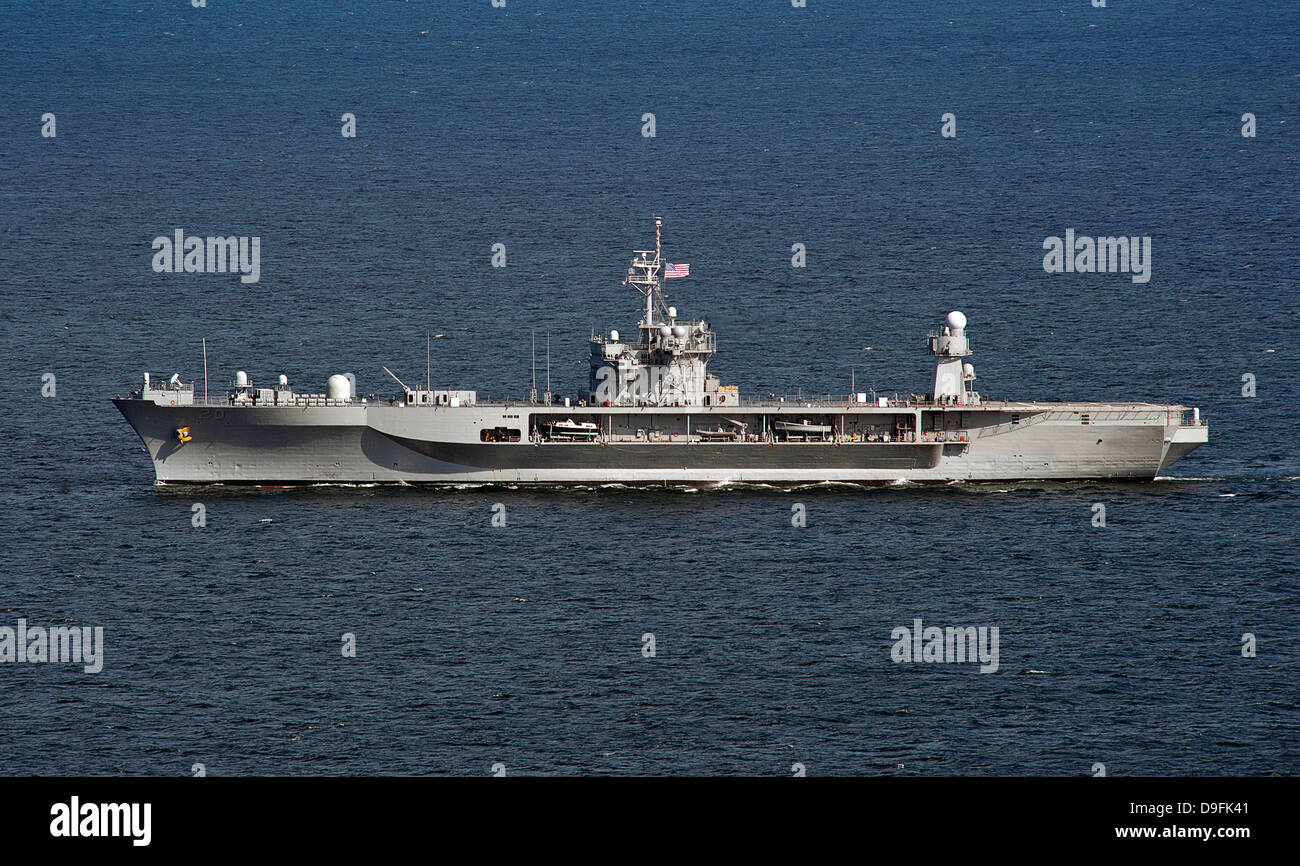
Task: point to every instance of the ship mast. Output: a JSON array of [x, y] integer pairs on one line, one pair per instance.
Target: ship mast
[[643, 273]]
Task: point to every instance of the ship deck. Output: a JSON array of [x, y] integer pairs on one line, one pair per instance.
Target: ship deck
[[805, 404]]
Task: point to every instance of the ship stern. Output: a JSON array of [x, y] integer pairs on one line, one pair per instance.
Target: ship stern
[[1183, 438]]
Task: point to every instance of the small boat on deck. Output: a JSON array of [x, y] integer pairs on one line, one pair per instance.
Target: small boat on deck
[[722, 434], [717, 434], [802, 429], [567, 428]]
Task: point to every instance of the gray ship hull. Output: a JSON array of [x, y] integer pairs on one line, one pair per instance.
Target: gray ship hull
[[391, 443]]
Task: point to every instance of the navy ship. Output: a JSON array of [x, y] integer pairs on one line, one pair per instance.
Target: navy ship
[[652, 414]]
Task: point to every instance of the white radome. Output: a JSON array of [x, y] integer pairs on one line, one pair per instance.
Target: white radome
[[679, 331], [613, 336], [338, 387], [241, 379], [957, 319]]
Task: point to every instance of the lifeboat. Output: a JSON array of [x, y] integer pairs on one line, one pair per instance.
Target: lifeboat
[[570, 429]]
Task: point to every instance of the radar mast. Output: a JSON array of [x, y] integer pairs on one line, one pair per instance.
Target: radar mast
[[643, 273]]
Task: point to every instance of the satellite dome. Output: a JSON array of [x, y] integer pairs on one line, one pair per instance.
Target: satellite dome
[[284, 381], [613, 336], [672, 312], [665, 330], [241, 379], [679, 331], [338, 388], [968, 371], [956, 320]]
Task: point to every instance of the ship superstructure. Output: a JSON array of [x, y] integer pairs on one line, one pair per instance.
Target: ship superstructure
[[652, 414], [668, 365]]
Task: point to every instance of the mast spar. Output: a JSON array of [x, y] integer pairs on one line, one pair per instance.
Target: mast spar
[[643, 272]]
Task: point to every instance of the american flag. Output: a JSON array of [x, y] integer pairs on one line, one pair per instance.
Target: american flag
[[676, 272]]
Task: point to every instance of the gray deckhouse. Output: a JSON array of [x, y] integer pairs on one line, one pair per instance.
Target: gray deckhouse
[[668, 365]]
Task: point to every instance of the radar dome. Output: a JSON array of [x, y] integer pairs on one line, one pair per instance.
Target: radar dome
[[338, 388], [241, 379], [968, 371], [613, 336], [957, 320], [665, 330], [284, 380], [672, 312], [679, 330]]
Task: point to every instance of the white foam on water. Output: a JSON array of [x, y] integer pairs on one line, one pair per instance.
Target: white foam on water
[[357, 485]]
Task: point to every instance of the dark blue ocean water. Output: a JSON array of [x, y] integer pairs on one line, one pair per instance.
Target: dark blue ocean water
[[774, 126]]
